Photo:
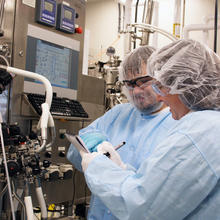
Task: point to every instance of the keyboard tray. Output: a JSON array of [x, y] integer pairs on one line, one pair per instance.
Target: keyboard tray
[[63, 107]]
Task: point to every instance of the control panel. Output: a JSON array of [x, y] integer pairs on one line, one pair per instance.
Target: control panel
[[59, 15], [46, 12], [65, 18]]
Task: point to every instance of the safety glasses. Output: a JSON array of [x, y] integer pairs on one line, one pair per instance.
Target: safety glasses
[[157, 87], [141, 82]]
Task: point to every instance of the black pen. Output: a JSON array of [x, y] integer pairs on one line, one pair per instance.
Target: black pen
[[107, 154]]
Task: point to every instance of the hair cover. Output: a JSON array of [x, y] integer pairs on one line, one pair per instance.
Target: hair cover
[[132, 64], [190, 69]]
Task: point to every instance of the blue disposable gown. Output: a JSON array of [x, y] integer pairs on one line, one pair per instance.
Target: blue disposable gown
[[179, 180], [141, 133]]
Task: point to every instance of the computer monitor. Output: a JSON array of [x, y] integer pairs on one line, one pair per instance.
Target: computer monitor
[[54, 56]]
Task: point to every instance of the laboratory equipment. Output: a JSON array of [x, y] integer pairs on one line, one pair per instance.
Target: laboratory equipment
[[54, 56], [57, 56], [65, 18], [46, 12]]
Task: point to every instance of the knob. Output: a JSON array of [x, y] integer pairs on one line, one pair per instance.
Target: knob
[[78, 30]]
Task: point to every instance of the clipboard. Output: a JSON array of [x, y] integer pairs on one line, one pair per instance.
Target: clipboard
[[77, 142]]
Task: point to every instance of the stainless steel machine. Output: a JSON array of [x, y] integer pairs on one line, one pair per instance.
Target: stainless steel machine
[[46, 37]]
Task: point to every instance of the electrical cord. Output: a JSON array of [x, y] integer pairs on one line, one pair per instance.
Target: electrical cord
[[21, 202], [74, 188], [6, 170], [36, 216], [4, 190], [15, 195]]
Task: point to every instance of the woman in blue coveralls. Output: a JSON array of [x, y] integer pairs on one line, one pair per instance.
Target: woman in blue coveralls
[[181, 177]]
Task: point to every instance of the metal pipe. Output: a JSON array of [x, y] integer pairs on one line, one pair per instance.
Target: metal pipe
[[153, 28], [127, 21], [148, 19], [216, 25], [135, 20], [155, 23], [182, 22], [119, 17], [177, 18], [196, 27], [206, 20], [144, 11]]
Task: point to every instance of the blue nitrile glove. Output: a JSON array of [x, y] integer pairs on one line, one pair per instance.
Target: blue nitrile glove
[[92, 140]]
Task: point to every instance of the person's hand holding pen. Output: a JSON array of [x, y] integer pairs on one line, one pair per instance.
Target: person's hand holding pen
[[107, 149], [107, 154]]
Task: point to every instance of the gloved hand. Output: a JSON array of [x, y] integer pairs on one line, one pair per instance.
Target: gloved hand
[[87, 158], [92, 139], [105, 147]]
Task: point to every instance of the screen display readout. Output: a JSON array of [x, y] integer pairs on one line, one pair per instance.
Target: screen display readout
[[53, 63], [68, 14], [48, 6]]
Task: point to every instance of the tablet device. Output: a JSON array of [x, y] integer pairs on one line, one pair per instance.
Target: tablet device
[[77, 142]]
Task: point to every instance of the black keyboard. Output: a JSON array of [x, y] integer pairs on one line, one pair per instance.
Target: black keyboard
[[60, 106]]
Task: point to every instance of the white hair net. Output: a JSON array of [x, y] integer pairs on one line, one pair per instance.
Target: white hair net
[[190, 69], [134, 61]]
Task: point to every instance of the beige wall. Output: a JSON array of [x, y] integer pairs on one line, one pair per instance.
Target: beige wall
[[102, 21]]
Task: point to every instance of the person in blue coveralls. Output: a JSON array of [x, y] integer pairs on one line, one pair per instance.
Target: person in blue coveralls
[[180, 178], [141, 124]]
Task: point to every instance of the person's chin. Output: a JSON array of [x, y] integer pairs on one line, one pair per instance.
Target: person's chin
[[140, 105], [174, 116], [144, 109]]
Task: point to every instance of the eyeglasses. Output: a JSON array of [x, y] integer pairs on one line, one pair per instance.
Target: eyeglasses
[[156, 86], [141, 82]]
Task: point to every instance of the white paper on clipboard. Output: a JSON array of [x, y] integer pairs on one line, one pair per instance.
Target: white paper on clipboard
[[77, 142]]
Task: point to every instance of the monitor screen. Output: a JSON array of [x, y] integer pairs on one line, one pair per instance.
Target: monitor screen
[[53, 57], [53, 62]]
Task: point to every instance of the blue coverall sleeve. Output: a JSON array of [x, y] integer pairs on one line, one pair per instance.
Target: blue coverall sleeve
[[99, 125], [169, 185], [74, 157], [102, 123]]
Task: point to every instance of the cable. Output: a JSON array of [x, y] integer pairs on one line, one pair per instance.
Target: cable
[[19, 200], [6, 169], [36, 216], [6, 61], [74, 188], [4, 190]]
